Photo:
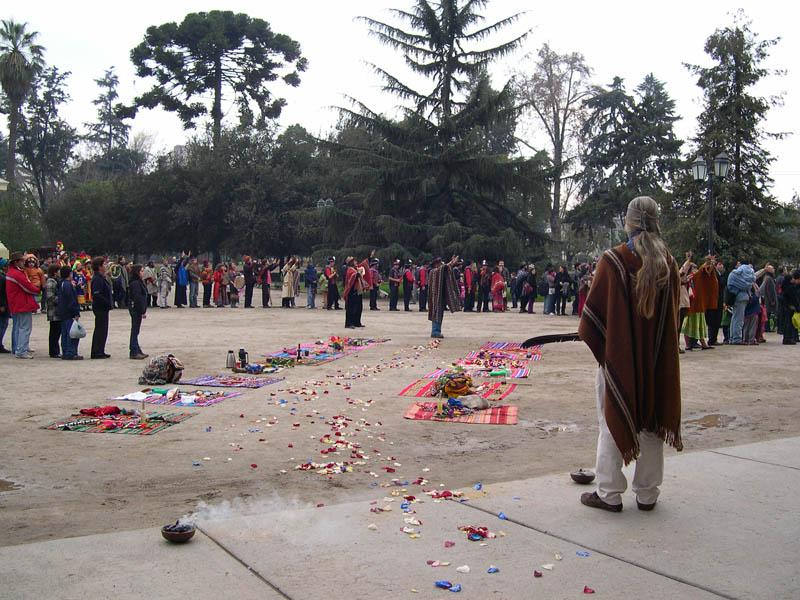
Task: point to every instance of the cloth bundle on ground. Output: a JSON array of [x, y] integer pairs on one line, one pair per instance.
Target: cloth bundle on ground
[[161, 370]]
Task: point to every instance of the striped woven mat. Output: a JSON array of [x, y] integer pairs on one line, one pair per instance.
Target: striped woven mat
[[496, 415], [126, 424]]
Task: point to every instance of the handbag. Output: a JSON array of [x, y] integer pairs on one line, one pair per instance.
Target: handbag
[[77, 331], [796, 320]]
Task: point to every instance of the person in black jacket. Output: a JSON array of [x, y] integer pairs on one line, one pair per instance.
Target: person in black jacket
[[138, 309], [68, 311], [563, 286], [791, 302], [248, 271], [102, 302]]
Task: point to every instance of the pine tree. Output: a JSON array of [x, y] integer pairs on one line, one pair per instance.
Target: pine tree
[[109, 131], [732, 121], [630, 150], [443, 186]]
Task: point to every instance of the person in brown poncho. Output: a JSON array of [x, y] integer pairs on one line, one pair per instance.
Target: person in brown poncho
[[630, 324]]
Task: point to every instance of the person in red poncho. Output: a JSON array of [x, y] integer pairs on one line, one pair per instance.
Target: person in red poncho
[[498, 287], [356, 281]]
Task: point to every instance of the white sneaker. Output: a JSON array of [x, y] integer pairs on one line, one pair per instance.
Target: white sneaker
[[26, 355]]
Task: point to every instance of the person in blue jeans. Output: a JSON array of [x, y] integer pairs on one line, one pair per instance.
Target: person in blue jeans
[[68, 311], [740, 281]]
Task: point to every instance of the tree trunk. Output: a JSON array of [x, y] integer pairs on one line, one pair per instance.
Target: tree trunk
[[11, 159], [216, 111], [555, 210]]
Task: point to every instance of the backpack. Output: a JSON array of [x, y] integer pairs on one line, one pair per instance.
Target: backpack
[[161, 370]]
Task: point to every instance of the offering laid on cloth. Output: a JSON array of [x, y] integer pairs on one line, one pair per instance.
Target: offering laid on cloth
[[322, 351], [112, 419], [234, 381], [427, 388], [178, 397], [430, 411]]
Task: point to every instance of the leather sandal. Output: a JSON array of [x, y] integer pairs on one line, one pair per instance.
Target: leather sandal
[[592, 500]]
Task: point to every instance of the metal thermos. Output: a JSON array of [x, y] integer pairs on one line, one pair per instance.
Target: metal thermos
[[242, 357], [230, 362]]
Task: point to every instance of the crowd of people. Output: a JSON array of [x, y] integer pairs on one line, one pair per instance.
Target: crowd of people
[[742, 304]]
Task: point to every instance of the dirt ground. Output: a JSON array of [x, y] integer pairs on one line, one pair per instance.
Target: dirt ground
[[57, 484]]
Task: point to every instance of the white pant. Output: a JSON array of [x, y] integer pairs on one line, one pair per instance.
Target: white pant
[[649, 472], [163, 293]]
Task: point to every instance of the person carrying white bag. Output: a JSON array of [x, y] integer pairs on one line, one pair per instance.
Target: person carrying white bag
[[68, 312]]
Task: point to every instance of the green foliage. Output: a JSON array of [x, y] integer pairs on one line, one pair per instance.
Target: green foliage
[[443, 173], [214, 53], [748, 218], [20, 227], [20, 62], [47, 141], [110, 131], [630, 150], [86, 217]]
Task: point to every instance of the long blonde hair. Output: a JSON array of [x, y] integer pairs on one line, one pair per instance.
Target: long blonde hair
[[641, 222]]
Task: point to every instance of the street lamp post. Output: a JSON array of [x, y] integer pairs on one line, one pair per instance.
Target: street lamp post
[[700, 173]]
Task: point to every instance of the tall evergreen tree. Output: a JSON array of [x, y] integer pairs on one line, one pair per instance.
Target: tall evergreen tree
[[216, 53], [110, 130], [47, 142], [732, 121], [630, 149], [441, 187]]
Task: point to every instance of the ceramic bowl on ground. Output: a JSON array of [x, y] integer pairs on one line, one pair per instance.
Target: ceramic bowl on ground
[[582, 476], [178, 537]]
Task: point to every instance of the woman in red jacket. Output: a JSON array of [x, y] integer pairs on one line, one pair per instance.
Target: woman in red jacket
[[21, 295]]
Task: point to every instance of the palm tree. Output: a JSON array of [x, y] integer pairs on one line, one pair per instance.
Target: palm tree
[[20, 62]]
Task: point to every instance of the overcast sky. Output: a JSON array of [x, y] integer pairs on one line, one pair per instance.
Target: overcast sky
[[624, 38]]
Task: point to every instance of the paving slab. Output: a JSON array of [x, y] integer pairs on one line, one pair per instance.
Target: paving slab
[[128, 564], [325, 552], [785, 452], [724, 523]]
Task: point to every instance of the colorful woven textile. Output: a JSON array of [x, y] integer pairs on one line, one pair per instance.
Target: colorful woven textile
[[234, 381], [424, 388], [197, 398], [126, 424], [518, 373], [511, 347], [317, 353], [496, 415]]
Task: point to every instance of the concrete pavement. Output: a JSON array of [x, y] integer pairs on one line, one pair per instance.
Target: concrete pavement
[[726, 526]]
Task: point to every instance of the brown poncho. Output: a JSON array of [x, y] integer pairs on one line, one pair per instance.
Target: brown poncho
[[442, 293], [638, 356], [706, 290]]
